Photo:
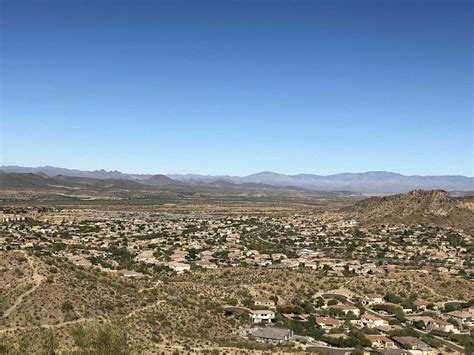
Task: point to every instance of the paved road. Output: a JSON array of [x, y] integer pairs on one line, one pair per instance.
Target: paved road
[[328, 350]]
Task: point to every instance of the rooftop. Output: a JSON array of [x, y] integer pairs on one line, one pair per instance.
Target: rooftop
[[272, 333]]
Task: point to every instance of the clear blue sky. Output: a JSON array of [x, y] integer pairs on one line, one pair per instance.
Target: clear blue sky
[[238, 87]]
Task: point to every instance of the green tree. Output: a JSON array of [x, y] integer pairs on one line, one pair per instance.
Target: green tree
[[332, 302]]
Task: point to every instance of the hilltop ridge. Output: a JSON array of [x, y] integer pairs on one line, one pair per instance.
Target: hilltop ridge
[[417, 206]]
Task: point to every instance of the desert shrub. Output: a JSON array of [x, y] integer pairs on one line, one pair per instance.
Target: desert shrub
[[101, 339], [67, 306], [4, 347], [49, 342]]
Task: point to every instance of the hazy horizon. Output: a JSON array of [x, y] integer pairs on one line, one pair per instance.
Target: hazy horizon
[[151, 172], [234, 88]]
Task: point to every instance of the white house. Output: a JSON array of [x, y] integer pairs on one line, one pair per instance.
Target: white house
[[262, 316], [371, 321], [372, 299], [346, 308], [442, 325], [260, 301], [179, 267]]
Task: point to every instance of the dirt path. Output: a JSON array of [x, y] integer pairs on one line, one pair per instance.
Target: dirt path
[[135, 311], [79, 320], [155, 285], [50, 326], [37, 280]]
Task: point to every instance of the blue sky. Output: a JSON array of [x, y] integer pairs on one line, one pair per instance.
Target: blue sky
[[236, 87]]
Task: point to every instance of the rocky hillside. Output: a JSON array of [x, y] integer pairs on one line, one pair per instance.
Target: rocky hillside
[[418, 206]]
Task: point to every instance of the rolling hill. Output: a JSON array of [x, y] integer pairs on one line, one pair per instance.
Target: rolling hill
[[435, 207]]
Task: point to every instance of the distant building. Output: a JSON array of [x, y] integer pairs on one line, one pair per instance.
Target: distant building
[[10, 218], [260, 301], [130, 273], [179, 267], [349, 223], [206, 264]]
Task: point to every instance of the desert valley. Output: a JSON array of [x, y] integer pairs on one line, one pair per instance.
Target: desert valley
[[101, 266]]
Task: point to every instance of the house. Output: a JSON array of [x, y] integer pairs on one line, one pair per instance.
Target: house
[[346, 308], [179, 255], [10, 218], [26, 245], [79, 261], [412, 343], [130, 273], [336, 336], [421, 305], [463, 317], [438, 324], [327, 323], [179, 267], [278, 256], [372, 299], [262, 316], [206, 264], [290, 263], [311, 264], [381, 342], [349, 223], [273, 335], [371, 321], [260, 301]]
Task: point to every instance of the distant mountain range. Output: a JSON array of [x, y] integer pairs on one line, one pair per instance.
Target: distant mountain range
[[369, 182], [156, 187]]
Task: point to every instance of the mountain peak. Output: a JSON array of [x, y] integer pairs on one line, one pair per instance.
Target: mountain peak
[[159, 180]]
